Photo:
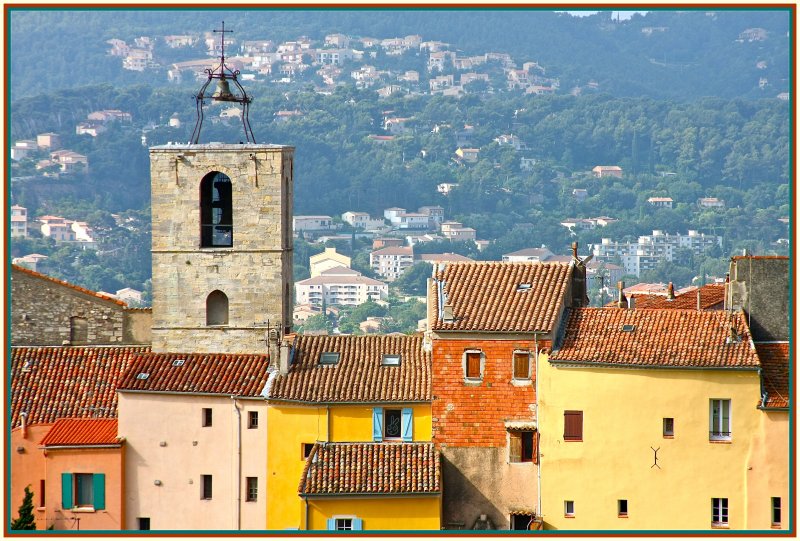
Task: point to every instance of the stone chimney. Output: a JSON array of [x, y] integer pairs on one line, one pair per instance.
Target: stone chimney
[[670, 292], [622, 302], [283, 363]]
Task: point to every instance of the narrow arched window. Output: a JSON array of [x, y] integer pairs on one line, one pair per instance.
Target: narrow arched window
[[217, 308], [216, 210]]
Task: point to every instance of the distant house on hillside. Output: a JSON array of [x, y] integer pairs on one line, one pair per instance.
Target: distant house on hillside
[[602, 171]]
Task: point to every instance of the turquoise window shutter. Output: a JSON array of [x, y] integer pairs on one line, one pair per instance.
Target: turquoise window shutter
[[377, 424], [331, 523], [99, 490], [357, 524], [408, 424], [66, 491]]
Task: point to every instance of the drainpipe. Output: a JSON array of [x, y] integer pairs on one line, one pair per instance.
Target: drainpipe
[[238, 464], [23, 417], [538, 425], [327, 424], [305, 499]]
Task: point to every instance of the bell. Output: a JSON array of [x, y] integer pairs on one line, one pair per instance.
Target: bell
[[223, 92]]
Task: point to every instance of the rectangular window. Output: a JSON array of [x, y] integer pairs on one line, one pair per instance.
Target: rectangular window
[[252, 419], [307, 447], [573, 426], [720, 420], [344, 523], [83, 490], [329, 357], [521, 446], [719, 511], [392, 422], [144, 523], [42, 492], [569, 508], [521, 522], [207, 417], [776, 512], [669, 427], [622, 508], [206, 486], [473, 364], [252, 489], [522, 365]]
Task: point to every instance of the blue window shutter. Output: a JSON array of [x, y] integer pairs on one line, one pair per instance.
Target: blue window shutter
[[408, 424], [357, 524], [99, 490], [331, 523], [66, 491], [377, 424]]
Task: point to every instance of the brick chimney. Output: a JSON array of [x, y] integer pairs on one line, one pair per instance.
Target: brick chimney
[[670, 292]]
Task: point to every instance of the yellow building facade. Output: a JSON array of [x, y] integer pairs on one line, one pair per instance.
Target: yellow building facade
[[375, 395], [650, 420]]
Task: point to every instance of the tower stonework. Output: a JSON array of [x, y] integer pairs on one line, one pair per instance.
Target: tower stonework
[[222, 246]]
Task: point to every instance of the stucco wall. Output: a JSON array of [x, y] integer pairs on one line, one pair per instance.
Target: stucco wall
[[623, 411], [27, 468], [255, 273], [41, 312], [166, 442], [136, 326], [768, 471], [383, 513]]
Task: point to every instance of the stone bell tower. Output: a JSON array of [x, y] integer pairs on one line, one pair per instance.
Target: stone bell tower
[[222, 237]]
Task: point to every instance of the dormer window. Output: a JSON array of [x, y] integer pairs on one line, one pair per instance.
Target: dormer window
[[329, 358], [216, 211], [390, 360]]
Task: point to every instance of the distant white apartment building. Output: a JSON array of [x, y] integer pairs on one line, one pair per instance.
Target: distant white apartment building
[[435, 215], [329, 259], [57, 228], [400, 219], [528, 254], [391, 262], [312, 223], [661, 202], [361, 220], [19, 221], [340, 286], [446, 187], [23, 148], [650, 250]]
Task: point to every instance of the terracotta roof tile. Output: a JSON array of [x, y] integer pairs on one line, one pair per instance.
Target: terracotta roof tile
[[774, 358], [67, 284], [82, 432], [358, 376], [198, 373], [50, 383], [349, 469], [660, 338], [712, 297], [485, 296]]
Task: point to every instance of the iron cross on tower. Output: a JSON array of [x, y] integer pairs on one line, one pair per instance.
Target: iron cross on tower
[[222, 40]]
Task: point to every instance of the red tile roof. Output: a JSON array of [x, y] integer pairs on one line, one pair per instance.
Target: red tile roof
[[351, 469], [49, 383], [67, 284], [197, 373], [774, 358], [712, 297], [485, 296], [82, 433], [659, 338], [358, 376]]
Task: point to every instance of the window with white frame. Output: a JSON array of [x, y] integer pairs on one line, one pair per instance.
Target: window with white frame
[[719, 419], [344, 523], [473, 364], [719, 511], [522, 365], [569, 508], [392, 424]]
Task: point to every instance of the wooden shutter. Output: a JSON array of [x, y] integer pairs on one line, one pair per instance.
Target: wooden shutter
[[514, 447], [407, 429], [99, 491], [331, 523], [473, 364], [377, 424], [66, 491], [573, 426], [521, 370], [357, 524], [536, 447]]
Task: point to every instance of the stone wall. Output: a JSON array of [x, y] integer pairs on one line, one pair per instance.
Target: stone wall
[[255, 273], [42, 308], [759, 285]]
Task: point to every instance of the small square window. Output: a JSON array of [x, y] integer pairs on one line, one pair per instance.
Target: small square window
[[622, 508], [252, 419], [206, 487], [392, 423], [307, 448], [390, 360], [473, 364], [252, 489], [521, 446], [344, 523], [569, 508], [144, 523], [207, 417], [329, 357], [669, 427], [522, 365]]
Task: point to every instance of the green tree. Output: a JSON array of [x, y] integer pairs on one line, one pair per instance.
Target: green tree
[[414, 281], [25, 520]]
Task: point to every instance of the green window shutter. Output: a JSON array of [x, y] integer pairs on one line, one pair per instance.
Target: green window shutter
[[66, 491], [99, 490]]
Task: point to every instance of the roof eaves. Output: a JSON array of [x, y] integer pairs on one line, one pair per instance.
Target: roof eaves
[[589, 364]]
